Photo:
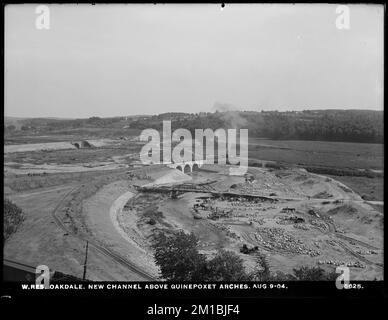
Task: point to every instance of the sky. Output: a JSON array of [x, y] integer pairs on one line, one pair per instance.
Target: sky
[[118, 60]]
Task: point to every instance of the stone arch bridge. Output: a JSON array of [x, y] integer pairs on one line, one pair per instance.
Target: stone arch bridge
[[187, 166]]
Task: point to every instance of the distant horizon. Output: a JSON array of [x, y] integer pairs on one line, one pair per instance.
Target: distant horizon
[[155, 114]]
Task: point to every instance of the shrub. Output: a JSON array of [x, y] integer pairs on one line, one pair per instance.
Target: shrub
[[314, 274], [13, 217]]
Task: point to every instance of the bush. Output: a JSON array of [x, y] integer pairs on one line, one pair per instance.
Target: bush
[[13, 217], [314, 274], [262, 272], [152, 222]]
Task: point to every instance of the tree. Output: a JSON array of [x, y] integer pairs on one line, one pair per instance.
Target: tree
[[226, 266], [178, 257], [179, 260]]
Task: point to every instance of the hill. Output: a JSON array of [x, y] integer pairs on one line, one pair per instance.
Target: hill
[[323, 125]]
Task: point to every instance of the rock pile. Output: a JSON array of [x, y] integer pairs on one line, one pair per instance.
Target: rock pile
[[366, 251], [355, 264], [280, 239], [319, 224]]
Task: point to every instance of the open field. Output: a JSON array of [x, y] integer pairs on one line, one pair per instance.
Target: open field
[[319, 153]]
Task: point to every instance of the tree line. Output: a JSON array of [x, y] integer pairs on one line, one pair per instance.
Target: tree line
[[325, 125]]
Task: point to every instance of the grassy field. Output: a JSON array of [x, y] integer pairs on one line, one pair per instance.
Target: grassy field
[[337, 155], [307, 153], [319, 153]]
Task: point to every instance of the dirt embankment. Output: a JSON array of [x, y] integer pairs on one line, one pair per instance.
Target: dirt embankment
[[100, 213]]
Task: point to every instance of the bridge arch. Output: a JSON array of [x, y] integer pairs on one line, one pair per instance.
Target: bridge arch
[[187, 168]]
